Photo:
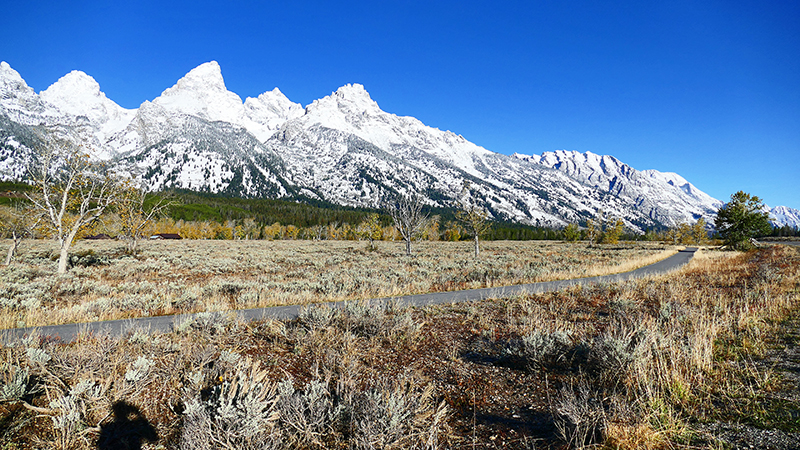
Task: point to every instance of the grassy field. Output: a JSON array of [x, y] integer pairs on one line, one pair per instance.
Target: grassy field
[[170, 277], [700, 358]]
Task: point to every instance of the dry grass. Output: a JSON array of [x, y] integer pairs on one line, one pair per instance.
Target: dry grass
[[642, 364], [170, 277]]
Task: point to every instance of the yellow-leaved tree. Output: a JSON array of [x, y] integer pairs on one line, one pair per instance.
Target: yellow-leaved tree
[[371, 229], [72, 191]]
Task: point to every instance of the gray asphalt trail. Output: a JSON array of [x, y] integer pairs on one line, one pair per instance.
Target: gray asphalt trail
[[70, 332]]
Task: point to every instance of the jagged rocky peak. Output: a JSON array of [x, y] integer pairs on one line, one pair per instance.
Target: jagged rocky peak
[[16, 97], [353, 91], [11, 82], [348, 99], [202, 93], [21, 103], [268, 112], [273, 103], [587, 165]]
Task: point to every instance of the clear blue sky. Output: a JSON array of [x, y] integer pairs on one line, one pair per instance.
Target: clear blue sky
[[707, 89]]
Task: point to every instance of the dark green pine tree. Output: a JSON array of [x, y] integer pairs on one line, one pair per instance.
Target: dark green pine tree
[[741, 219]]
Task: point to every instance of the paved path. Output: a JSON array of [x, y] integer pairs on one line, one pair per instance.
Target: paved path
[[69, 332]]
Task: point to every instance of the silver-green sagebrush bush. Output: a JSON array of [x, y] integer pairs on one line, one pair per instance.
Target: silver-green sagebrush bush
[[248, 410]]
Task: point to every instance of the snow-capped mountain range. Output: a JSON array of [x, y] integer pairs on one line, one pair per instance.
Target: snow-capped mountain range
[[341, 148]]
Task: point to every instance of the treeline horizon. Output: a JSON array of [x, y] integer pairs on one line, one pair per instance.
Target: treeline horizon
[[305, 218]]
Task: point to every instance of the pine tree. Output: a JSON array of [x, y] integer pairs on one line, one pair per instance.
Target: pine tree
[[742, 219]]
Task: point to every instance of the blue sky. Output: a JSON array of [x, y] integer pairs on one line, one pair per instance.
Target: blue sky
[[707, 89]]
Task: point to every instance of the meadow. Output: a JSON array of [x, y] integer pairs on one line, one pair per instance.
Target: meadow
[[703, 357], [172, 277]]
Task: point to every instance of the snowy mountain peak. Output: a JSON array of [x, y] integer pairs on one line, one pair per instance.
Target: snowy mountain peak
[[78, 94], [202, 93], [9, 76], [782, 215], [73, 83], [20, 102], [268, 112], [205, 76], [348, 99], [588, 165], [353, 92], [12, 86], [276, 101]]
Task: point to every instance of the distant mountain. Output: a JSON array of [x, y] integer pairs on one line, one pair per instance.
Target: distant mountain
[[667, 198], [342, 148], [782, 215]]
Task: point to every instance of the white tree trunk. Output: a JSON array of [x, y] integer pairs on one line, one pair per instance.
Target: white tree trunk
[[11, 251], [63, 259], [477, 247]]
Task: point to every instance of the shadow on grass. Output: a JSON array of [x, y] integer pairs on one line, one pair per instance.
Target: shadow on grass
[[128, 429]]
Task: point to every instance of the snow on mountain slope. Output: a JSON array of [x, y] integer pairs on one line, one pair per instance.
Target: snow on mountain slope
[[782, 215], [169, 149], [673, 179], [265, 114], [202, 93], [351, 109], [78, 95], [72, 108], [667, 198], [20, 103], [341, 148], [347, 150]]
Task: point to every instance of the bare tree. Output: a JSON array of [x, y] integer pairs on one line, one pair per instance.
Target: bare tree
[[72, 192], [136, 212], [475, 219], [17, 222], [592, 231], [406, 212]]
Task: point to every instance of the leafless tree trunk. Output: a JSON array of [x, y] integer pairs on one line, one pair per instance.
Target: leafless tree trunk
[[408, 217], [135, 214], [17, 222], [475, 219], [17, 239], [72, 193]]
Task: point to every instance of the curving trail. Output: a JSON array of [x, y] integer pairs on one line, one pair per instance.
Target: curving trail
[[69, 332]]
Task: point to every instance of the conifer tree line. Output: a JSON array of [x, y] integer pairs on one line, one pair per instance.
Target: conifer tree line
[[198, 216]]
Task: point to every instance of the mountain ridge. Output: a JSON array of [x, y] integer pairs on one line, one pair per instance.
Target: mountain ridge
[[342, 148]]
